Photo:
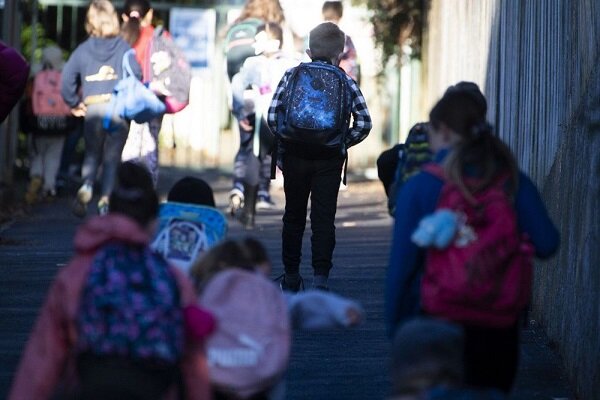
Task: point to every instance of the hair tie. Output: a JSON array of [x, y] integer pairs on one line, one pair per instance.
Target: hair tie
[[131, 194], [134, 14]]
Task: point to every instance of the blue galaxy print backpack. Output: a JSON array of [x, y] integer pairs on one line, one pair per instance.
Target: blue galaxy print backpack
[[317, 106]]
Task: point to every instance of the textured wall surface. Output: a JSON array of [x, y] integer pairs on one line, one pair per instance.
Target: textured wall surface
[[537, 62]]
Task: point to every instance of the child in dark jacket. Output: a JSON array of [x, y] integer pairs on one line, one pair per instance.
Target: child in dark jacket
[[464, 145], [314, 171], [88, 80]]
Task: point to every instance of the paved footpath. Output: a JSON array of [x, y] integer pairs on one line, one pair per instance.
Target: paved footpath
[[328, 365]]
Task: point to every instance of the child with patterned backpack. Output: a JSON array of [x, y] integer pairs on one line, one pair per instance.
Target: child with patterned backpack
[[462, 249], [118, 322]]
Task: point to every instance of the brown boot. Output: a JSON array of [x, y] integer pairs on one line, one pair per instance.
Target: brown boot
[[33, 189], [249, 209]]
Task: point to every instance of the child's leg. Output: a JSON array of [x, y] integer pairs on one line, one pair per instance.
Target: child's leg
[[324, 189], [35, 170], [266, 147], [94, 142], [296, 185], [94, 136], [113, 147], [240, 162], [152, 152], [36, 165], [264, 184], [68, 151], [52, 156]]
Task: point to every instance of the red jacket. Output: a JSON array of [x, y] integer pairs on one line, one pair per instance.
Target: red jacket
[[49, 357], [14, 72]]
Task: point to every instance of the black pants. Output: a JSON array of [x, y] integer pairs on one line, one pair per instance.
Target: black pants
[[321, 180], [116, 377], [491, 357]]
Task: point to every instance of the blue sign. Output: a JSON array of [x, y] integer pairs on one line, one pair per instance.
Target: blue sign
[[194, 32]]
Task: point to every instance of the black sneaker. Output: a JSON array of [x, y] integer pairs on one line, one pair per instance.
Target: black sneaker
[[287, 288]]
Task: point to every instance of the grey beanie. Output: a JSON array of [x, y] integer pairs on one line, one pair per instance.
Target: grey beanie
[[53, 57]]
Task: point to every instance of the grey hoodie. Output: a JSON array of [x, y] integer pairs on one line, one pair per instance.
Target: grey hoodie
[[95, 66]]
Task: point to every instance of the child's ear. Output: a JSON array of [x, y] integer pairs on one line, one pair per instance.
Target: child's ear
[[308, 52], [125, 17]]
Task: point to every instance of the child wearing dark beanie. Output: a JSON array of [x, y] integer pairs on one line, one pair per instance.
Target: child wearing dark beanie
[[192, 190]]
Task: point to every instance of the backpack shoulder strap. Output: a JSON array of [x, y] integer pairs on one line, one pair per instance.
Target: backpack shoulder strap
[[127, 71], [435, 170], [159, 30]]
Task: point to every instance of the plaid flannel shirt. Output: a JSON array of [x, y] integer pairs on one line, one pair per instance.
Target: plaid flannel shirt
[[361, 125]]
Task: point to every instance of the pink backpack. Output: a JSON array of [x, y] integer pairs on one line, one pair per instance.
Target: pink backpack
[[249, 351], [484, 276], [46, 97]]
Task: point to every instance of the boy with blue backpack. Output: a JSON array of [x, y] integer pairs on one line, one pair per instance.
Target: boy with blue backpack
[[310, 117]]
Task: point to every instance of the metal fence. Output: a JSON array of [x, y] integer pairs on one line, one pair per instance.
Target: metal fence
[[538, 64]]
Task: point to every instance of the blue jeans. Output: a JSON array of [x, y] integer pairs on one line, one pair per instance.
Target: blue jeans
[[242, 160]]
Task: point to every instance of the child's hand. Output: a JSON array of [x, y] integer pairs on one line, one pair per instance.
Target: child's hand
[[159, 88], [353, 317], [79, 111], [245, 124]]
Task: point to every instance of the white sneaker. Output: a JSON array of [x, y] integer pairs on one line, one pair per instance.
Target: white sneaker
[[85, 192], [264, 202], [84, 196]]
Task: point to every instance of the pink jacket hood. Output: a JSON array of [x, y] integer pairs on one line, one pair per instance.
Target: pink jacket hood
[[99, 230], [49, 358]]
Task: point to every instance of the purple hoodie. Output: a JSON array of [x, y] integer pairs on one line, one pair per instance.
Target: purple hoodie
[[14, 72]]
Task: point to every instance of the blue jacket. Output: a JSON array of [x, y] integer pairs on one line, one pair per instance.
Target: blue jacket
[[418, 198], [95, 66]]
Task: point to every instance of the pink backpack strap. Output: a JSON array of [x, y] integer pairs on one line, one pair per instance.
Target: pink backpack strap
[[147, 67], [436, 170]]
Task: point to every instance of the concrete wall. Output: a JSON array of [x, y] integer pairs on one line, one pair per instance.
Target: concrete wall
[[537, 62]]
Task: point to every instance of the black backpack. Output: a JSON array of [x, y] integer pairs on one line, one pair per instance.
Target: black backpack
[[412, 156], [317, 107]]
